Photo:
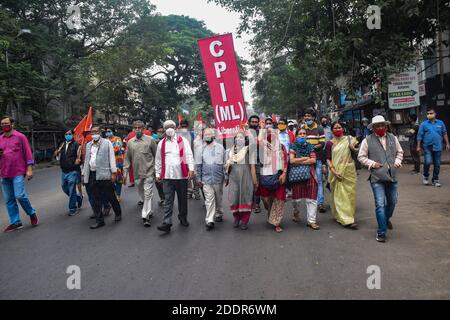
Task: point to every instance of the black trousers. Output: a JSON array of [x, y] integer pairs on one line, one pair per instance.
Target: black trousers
[[100, 189], [159, 187], [170, 187]]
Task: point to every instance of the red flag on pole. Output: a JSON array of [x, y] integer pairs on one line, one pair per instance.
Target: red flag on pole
[[85, 125], [274, 118], [200, 118], [179, 119]]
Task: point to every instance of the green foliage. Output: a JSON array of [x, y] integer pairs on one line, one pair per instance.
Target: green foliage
[[322, 40]]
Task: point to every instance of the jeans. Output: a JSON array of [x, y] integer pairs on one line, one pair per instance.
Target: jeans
[[320, 195], [69, 186], [431, 157], [14, 189], [385, 194], [170, 187]]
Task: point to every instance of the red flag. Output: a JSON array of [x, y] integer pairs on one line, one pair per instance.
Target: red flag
[[274, 118], [85, 125], [200, 118], [179, 119]]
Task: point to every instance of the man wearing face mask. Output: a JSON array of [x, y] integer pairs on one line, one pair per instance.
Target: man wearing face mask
[[382, 154], [430, 136], [141, 153], [253, 123], [286, 136], [69, 161], [16, 165], [193, 188], [316, 136], [174, 166], [99, 173], [158, 136], [210, 160]]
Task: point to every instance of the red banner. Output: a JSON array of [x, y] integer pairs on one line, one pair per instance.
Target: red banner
[[219, 62]]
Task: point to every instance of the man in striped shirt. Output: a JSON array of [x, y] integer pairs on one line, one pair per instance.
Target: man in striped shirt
[[316, 136]]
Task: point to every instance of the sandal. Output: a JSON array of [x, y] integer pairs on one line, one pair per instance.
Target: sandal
[[313, 226], [278, 229]]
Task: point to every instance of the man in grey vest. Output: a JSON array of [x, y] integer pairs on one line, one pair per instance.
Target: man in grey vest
[[382, 154], [141, 151], [100, 175]]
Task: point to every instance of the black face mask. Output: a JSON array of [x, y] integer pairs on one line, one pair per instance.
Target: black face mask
[[324, 124]]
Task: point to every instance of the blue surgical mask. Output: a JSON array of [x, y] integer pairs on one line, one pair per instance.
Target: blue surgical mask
[[154, 136], [68, 137], [301, 140], [109, 134], [310, 122]]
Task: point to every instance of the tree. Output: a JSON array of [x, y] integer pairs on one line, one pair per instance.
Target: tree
[[329, 39]]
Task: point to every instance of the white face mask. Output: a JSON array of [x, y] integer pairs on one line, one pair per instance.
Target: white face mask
[[170, 132], [96, 137]]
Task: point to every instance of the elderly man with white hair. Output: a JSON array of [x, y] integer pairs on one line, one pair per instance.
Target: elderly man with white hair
[[174, 166]]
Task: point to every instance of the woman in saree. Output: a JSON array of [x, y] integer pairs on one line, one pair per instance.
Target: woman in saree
[[274, 161], [241, 179], [342, 176]]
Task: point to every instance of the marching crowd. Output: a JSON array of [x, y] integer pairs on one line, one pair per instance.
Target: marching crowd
[[264, 162]]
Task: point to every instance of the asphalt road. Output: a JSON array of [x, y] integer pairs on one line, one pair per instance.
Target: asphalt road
[[128, 261]]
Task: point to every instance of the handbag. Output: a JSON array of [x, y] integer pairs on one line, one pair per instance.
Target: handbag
[[299, 173], [271, 182]]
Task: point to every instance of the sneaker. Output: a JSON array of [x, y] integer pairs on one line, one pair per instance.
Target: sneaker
[[257, 209], [73, 212], [14, 227], [34, 220], [381, 237], [209, 226], [436, 184], [425, 181], [244, 226]]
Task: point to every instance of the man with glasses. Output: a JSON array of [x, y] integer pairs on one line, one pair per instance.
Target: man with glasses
[[100, 175], [141, 153], [431, 133]]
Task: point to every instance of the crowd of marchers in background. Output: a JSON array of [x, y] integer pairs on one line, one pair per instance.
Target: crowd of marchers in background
[[264, 164]]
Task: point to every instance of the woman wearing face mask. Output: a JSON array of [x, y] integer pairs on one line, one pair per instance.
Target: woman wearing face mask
[[272, 186], [118, 153], [342, 177], [302, 153], [241, 178]]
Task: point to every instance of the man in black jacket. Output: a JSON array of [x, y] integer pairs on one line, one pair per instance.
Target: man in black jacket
[[69, 159]]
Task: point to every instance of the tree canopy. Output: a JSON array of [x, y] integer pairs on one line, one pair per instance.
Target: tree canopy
[[305, 48]]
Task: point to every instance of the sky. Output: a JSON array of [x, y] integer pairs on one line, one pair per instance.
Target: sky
[[216, 18]]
